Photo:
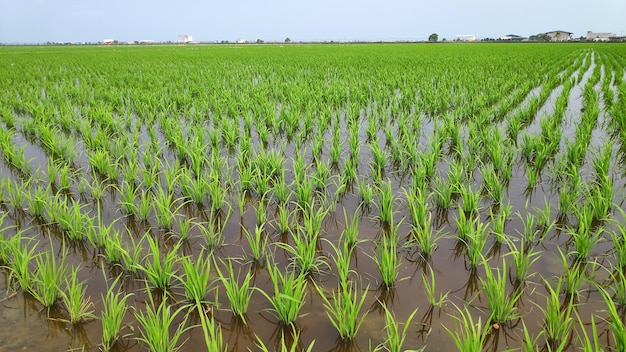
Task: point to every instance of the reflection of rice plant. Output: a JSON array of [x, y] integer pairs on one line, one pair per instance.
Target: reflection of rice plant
[[239, 294], [294, 346], [343, 310], [289, 293], [113, 312], [395, 337]]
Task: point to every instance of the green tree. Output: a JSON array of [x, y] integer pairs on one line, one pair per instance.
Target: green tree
[[433, 37], [287, 40]]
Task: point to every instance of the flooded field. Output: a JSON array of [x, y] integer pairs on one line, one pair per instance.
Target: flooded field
[[322, 197]]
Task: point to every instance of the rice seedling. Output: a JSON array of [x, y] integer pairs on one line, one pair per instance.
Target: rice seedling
[[48, 274], [304, 253], [213, 230], [366, 192], [524, 257], [159, 271], [492, 183], [395, 337], [387, 259], [38, 201], [157, 322], [197, 277], [500, 302], [344, 310], [288, 295], [614, 320], [350, 232], [385, 203], [477, 240], [281, 189], [442, 193], [430, 289], [470, 199], [79, 308], [558, 319], [585, 239], [165, 208], [257, 242], [132, 254], [239, 292], [112, 315], [472, 334], [22, 254]]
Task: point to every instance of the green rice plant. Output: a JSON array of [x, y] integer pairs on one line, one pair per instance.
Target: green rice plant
[[430, 289], [529, 344], [112, 316], [197, 277], [387, 259], [501, 303], [65, 177], [38, 201], [470, 199], [97, 189], [142, 210], [492, 183], [165, 208], [132, 254], [465, 226], [22, 254], [16, 193], [157, 322], [585, 239], [213, 230], [588, 343], [217, 193], [530, 230], [159, 271], [442, 193], [417, 206], [366, 192], [350, 231], [281, 189], [79, 308], [395, 337], [288, 295], [477, 240], [261, 216], [48, 274], [343, 309], [212, 334], [524, 257], [614, 320], [128, 194], [424, 237], [313, 219], [498, 222], [341, 260], [385, 203], [239, 292], [350, 170], [304, 191], [322, 174], [257, 242], [573, 275], [194, 188], [472, 334], [545, 224], [304, 253], [111, 240], [558, 319]]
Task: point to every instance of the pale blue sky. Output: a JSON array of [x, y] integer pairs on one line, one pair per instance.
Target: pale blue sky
[[35, 21]]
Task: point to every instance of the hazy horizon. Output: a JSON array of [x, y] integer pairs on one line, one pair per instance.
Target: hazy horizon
[[40, 21]]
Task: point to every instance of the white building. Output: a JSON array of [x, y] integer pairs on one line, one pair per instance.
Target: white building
[[559, 36], [108, 41], [466, 37], [600, 37], [185, 38], [241, 41]]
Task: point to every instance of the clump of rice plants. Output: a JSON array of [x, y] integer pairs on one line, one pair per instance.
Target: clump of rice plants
[[344, 310], [289, 293], [112, 316], [155, 325], [239, 292], [395, 337]]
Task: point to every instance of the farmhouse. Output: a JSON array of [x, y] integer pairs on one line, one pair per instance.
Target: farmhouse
[[600, 37], [559, 36]]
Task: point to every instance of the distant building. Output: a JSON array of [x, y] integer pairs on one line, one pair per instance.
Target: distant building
[[600, 37], [465, 37], [513, 38], [185, 38], [108, 41], [241, 41], [559, 36]]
